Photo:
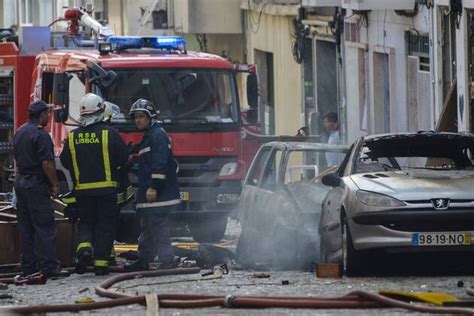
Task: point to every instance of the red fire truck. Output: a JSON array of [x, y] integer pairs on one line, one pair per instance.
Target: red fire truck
[[196, 94]]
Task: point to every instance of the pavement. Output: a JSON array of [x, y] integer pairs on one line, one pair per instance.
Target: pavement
[[276, 283]]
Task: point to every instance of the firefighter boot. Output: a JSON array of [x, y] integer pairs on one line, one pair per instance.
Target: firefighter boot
[[112, 260], [171, 263], [101, 267], [83, 260], [137, 265], [101, 270]]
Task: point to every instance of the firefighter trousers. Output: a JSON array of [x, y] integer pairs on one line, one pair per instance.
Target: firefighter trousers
[[154, 238], [98, 220], [35, 220]]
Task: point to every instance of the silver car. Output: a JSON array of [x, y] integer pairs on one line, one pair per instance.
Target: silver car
[[399, 193]]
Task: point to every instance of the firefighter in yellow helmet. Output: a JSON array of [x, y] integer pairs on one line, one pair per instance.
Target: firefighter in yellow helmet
[[93, 153]]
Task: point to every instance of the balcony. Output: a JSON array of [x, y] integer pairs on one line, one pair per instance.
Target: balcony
[[207, 16], [378, 4], [322, 3]]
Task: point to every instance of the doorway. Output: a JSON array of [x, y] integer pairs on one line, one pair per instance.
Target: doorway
[[264, 61], [381, 93]]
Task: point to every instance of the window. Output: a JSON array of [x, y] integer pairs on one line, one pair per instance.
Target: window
[[301, 166], [160, 19], [272, 171], [47, 87], [255, 172], [419, 45], [438, 153], [184, 94], [26, 12]]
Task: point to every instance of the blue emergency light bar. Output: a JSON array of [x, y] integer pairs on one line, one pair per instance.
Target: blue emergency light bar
[[158, 42]]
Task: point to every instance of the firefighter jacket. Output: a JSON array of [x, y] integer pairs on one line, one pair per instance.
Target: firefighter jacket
[[93, 154], [156, 169]]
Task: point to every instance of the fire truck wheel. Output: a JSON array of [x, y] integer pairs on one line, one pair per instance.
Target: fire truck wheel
[[209, 229]]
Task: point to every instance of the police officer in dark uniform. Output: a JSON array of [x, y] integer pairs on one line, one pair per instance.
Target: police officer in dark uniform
[[35, 183], [93, 153], [158, 190]]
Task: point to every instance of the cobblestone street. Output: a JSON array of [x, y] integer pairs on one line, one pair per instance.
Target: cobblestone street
[[288, 283]]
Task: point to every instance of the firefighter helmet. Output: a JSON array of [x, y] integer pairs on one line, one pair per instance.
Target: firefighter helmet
[[110, 110], [143, 105], [91, 103]]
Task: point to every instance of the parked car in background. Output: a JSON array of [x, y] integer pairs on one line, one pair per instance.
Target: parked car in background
[[398, 194], [280, 205]]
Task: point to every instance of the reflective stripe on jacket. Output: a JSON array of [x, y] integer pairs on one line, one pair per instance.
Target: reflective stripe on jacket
[[93, 155]]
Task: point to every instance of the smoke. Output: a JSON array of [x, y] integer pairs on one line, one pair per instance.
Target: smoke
[[280, 231]]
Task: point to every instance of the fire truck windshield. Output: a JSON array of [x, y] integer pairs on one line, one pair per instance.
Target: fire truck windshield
[[182, 96]]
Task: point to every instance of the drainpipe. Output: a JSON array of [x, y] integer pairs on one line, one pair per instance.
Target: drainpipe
[[342, 93], [433, 63]]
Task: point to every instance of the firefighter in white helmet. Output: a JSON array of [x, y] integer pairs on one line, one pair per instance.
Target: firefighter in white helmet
[[93, 153], [110, 111]]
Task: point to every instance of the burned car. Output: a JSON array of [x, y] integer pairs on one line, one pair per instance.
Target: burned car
[[400, 194], [280, 205]]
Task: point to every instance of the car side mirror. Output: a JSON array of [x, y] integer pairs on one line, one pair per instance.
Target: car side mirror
[[252, 115], [252, 90], [331, 180], [61, 89]]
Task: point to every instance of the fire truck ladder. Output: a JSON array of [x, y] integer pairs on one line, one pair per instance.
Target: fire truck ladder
[[146, 16]]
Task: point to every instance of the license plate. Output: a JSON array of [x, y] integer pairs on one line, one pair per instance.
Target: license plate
[[184, 196], [441, 239]]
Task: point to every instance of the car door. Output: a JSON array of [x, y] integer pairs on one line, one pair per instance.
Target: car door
[[268, 198], [248, 198], [330, 225], [252, 249], [277, 217]]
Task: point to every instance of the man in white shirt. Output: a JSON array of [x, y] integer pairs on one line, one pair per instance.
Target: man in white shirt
[[330, 122]]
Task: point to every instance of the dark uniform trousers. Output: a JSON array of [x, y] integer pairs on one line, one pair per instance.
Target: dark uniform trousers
[[35, 214], [98, 221], [157, 170], [154, 237]]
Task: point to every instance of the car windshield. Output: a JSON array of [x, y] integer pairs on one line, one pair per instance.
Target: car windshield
[[181, 95], [437, 152]]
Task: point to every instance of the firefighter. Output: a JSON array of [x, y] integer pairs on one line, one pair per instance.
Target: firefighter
[[35, 183], [93, 153], [158, 190]]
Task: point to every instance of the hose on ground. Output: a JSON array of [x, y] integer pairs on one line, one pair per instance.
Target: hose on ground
[[470, 291], [355, 299]]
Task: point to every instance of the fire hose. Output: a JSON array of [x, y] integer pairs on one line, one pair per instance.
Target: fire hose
[[355, 299]]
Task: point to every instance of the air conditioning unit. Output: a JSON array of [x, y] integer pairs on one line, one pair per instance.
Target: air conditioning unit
[[321, 3], [207, 16], [378, 4], [284, 2]]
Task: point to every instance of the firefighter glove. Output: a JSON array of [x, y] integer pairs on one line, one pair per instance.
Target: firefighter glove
[[150, 195]]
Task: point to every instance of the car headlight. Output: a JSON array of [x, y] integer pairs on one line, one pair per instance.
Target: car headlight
[[228, 169], [376, 199]]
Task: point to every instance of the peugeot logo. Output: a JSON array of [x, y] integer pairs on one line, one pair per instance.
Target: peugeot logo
[[440, 204]]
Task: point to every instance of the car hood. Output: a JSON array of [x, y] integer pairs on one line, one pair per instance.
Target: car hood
[[418, 184]]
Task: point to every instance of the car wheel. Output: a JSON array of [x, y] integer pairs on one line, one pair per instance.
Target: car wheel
[[209, 229], [352, 262], [244, 253]]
